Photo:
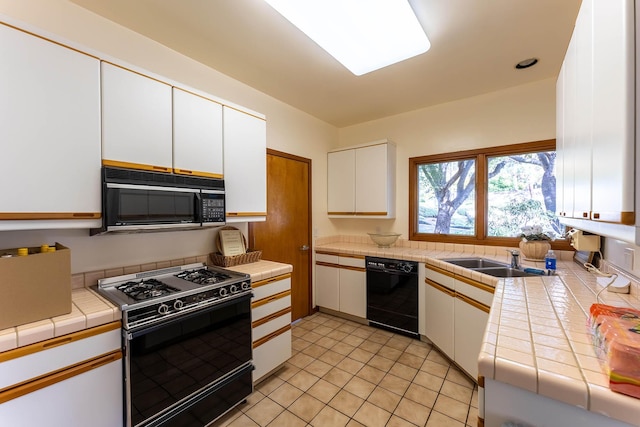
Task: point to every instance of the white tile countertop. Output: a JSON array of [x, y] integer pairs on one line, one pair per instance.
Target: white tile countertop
[[536, 338]]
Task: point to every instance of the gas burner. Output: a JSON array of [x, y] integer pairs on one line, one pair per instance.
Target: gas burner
[[203, 276], [146, 289]]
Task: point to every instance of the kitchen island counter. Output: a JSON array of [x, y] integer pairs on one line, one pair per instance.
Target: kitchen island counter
[[536, 340]]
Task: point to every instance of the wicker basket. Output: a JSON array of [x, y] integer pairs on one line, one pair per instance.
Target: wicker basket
[[230, 261]]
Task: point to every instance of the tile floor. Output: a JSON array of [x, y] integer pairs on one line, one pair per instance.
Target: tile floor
[[344, 373]]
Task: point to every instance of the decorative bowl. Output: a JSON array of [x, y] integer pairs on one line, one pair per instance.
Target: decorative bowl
[[384, 239]]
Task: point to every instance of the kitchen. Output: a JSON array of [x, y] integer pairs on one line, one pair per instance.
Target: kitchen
[[495, 118]]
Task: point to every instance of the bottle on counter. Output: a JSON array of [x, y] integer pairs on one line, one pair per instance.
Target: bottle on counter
[[550, 261]]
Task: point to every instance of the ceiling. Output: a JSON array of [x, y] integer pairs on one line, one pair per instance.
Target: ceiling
[[475, 45]]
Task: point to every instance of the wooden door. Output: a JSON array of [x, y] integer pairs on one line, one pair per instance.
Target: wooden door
[[286, 234]]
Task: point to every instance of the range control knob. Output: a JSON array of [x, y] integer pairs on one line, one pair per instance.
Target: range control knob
[[223, 292], [163, 309], [234, 289], [245, 286], [178, 304], [406, 268]]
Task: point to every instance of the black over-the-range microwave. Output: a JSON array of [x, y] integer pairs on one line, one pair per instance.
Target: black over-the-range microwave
[[138, 201]]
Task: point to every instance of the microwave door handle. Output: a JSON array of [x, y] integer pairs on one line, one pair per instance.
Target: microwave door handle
[[199, 208]]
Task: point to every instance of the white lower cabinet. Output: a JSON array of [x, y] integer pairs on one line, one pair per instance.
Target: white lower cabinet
[[456, 315], [341, 284], [271, 324], [73, 380]]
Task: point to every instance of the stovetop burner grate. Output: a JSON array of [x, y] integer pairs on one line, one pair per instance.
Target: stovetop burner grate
[[203, 276], [146, 289]]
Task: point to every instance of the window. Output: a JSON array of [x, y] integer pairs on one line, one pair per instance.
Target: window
[[484, 196]]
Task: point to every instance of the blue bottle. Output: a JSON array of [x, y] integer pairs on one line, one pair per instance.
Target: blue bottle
[[550, 260]]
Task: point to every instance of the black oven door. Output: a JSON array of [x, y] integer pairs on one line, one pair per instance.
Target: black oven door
[[171, 366], [392, 300], [140, 206]]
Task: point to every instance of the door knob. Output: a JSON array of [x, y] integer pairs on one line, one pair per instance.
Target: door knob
[[304, 247]]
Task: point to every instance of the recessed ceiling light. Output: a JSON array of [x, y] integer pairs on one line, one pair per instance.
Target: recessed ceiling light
[[526, 63], [363, 36]]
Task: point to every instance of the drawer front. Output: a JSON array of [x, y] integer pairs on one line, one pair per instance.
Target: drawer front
[[440, 278], [352, 261], [331, 259], [271, 326], [271, 354], [57, 353], [271, 307], [266, 288], [477, 293]]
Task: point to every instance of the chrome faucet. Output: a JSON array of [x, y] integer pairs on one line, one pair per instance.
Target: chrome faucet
[[515, 258]]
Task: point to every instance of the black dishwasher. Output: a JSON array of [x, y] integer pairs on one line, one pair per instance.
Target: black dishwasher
[[392, 295]]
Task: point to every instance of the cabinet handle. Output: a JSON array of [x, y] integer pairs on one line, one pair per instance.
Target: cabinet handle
[[440, 287], [271, 298], [271, 336], [271, 317], [304, 247], [585, 214], [596, 215], [473, 302]]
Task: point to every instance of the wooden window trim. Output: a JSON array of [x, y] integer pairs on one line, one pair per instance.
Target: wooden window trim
[[480, 156]]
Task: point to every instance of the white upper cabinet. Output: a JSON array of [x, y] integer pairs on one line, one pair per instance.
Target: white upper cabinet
[[136, 120], [50, 133], [245, 166], [361, 181], [596, 116], [197, 135]]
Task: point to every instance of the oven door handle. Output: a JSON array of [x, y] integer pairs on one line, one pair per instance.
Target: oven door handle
[[136, 332]]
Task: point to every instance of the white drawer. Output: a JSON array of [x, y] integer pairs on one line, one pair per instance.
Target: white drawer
[[271, 326], [479, 292], [439, 278], [271, 307], [265, 288], [332, 259], [271, 354], [352, 262], [57, 353]]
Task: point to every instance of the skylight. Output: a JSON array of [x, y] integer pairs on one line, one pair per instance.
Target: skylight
[[363, 35]]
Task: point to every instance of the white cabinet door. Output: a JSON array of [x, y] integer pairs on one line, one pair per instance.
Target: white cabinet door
[[560, 136], [328, 287], [469, 326], [353, 292], [613, 111], [372, 191], [341, 182], [245, 166], [439, 318], [136, 120], [569, 142], [50, 132], [197, 135]]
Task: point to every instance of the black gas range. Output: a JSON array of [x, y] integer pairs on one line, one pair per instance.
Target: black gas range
[[187, 343]]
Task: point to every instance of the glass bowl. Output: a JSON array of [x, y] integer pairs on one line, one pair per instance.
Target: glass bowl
[[384, 239]]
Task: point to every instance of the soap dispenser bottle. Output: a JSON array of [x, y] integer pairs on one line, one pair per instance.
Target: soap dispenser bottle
[[550, 261]]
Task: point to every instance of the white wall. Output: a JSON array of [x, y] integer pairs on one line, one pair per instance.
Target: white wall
[[288, 130], [520, 114]]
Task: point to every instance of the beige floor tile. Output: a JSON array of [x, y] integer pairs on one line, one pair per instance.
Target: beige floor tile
[[384, 399], [361, 355], [372, 416], [435, 356], [287, 371], [399, 342], [381, 363], [403, 371], [337, 335], [346, 403], [326, 342], [396, 421], [347, 328], [421, 395], [343, 348], [303, 380], [353, 340], [350, 365], [359, 387], [323, 330], [354, 423], [264, 411], [329, 417], [395, 384], [434, 368], [370, 346], [338, 377], [313, 350], [285, 395], [323, 390], [390, 353], [411, 360], [472, 418], [306, 407], [425, 379], [457, 391], [298, 344], [287, 419], [371, 374], [363, 332], [452, 408], [243, 421], [331, 357], [301, 360], [458, 377], [419, 349], [412, 412], [436, 419], [319, 368], [268, 385]]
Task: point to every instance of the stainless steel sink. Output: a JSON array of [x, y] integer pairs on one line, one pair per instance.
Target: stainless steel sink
[[504, 272], [474, 263]]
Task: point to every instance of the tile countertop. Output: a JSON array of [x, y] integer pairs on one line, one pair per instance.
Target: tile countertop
[[536, 337], [88, 309]]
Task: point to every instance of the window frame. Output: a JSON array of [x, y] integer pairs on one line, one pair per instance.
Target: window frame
[[481, 184]]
